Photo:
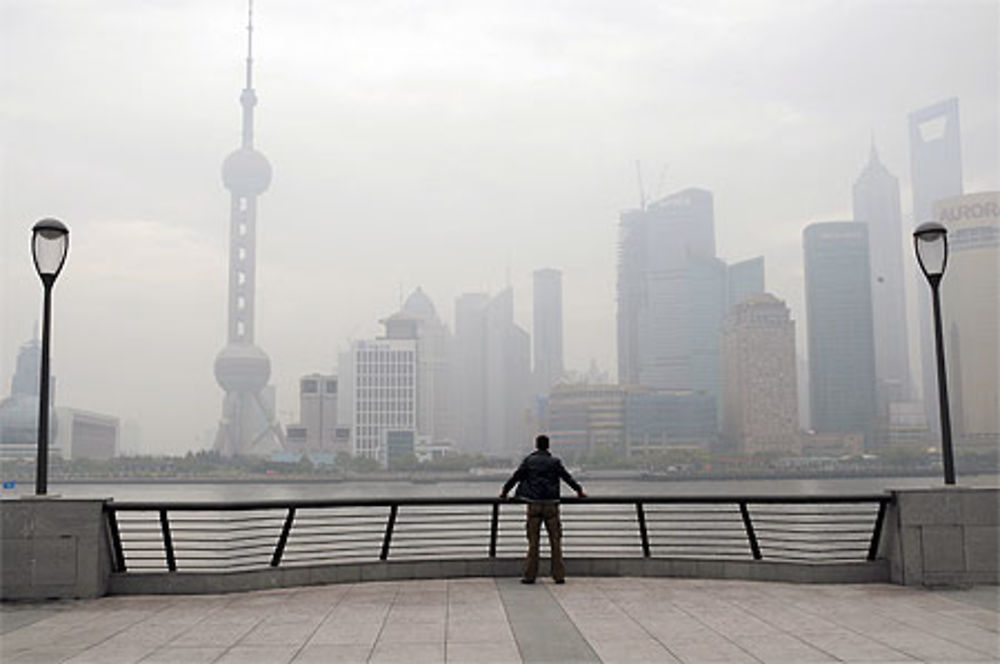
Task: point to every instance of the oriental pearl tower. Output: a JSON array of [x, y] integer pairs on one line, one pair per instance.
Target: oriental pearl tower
[[248, 426]]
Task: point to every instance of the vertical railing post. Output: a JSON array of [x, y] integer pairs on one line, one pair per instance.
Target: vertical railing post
[[168, 543], [116, 541], [389, 525], [751, 535], [279, 549], [640, 514], [494, 529], [877, 531]]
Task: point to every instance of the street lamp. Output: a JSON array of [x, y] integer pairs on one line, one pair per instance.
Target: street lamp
[[931, 241], [49, 245]]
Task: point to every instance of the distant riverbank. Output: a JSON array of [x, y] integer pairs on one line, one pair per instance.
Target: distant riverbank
[[238, 489], [493, 476]]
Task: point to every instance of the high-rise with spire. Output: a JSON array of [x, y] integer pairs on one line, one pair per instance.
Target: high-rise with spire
[[876, 203], [935, 174], [248, 425]]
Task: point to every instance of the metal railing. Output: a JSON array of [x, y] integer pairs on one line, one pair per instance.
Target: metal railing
[[233, 536]]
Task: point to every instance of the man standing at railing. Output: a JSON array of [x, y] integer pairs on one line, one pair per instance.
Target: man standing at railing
[[537, 480]]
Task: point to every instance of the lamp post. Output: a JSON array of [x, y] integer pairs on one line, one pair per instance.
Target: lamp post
[[931, 242], [49, 245]]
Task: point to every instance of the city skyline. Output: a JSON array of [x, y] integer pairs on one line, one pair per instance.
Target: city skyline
[[385, 161]]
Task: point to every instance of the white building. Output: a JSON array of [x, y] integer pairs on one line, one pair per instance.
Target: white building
[[82, 434], [970, 304], [384, 388], [418, 320]]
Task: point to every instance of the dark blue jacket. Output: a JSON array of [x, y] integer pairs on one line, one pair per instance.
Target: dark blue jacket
[[538, 476]]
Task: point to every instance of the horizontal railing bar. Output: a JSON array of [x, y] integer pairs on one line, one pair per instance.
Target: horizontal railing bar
[[447, 500], [438, 538], [205, 516], [228, 537], [229, 533], [193, 548], [862, 551], [816, 515], [735, 526], [295, 541], [806, 528], [263, 556], [824, 537], [371, 552]]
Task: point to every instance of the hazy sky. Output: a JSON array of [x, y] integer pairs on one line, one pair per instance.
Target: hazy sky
[[440, 144]]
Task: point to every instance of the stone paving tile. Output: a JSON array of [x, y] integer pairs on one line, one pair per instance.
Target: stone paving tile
[[490, 628], [279, 630], [984, 618], [213, 634], [258, 655], [407, 653], [483, 652], [632, 651], [706, 648], [853, 647], [41, 655], [183, 655], [781, 648], [327, 653], [111, 654], [980, 640], [412, 631], [18, 615], [924, 646]]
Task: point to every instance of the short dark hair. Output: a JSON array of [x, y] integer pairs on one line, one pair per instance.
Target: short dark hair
[[542, 442]]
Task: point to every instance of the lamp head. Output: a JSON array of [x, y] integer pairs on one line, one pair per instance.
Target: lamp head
[[931, 242], [49, 246]]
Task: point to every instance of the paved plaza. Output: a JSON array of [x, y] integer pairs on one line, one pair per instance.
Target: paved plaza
[[487, 620]]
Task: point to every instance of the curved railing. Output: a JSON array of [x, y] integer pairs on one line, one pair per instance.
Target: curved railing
[[207, 537]]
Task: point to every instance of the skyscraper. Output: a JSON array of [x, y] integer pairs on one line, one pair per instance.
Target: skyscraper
[[19, 411], [671, 295], [242, 369], [760, 404], [970, 303], [548, 328], [935, 174], [493, 374], [876, 203], [743, 280], [840, 333]]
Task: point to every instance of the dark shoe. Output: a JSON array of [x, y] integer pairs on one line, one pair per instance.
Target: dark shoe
[[559, 582], [529, 581]]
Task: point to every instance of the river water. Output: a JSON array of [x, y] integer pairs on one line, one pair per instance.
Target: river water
[[278, 490]]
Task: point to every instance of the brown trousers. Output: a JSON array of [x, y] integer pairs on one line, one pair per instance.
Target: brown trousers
[[549, 513]]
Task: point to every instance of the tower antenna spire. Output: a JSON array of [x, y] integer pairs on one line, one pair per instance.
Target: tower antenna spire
[[249, 44], [642, 191]]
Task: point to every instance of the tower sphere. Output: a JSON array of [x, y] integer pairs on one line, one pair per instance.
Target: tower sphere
[[246, 172], [241, 367]]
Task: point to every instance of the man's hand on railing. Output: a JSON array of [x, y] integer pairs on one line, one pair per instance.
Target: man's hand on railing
[[503, 495], [581, 494]]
